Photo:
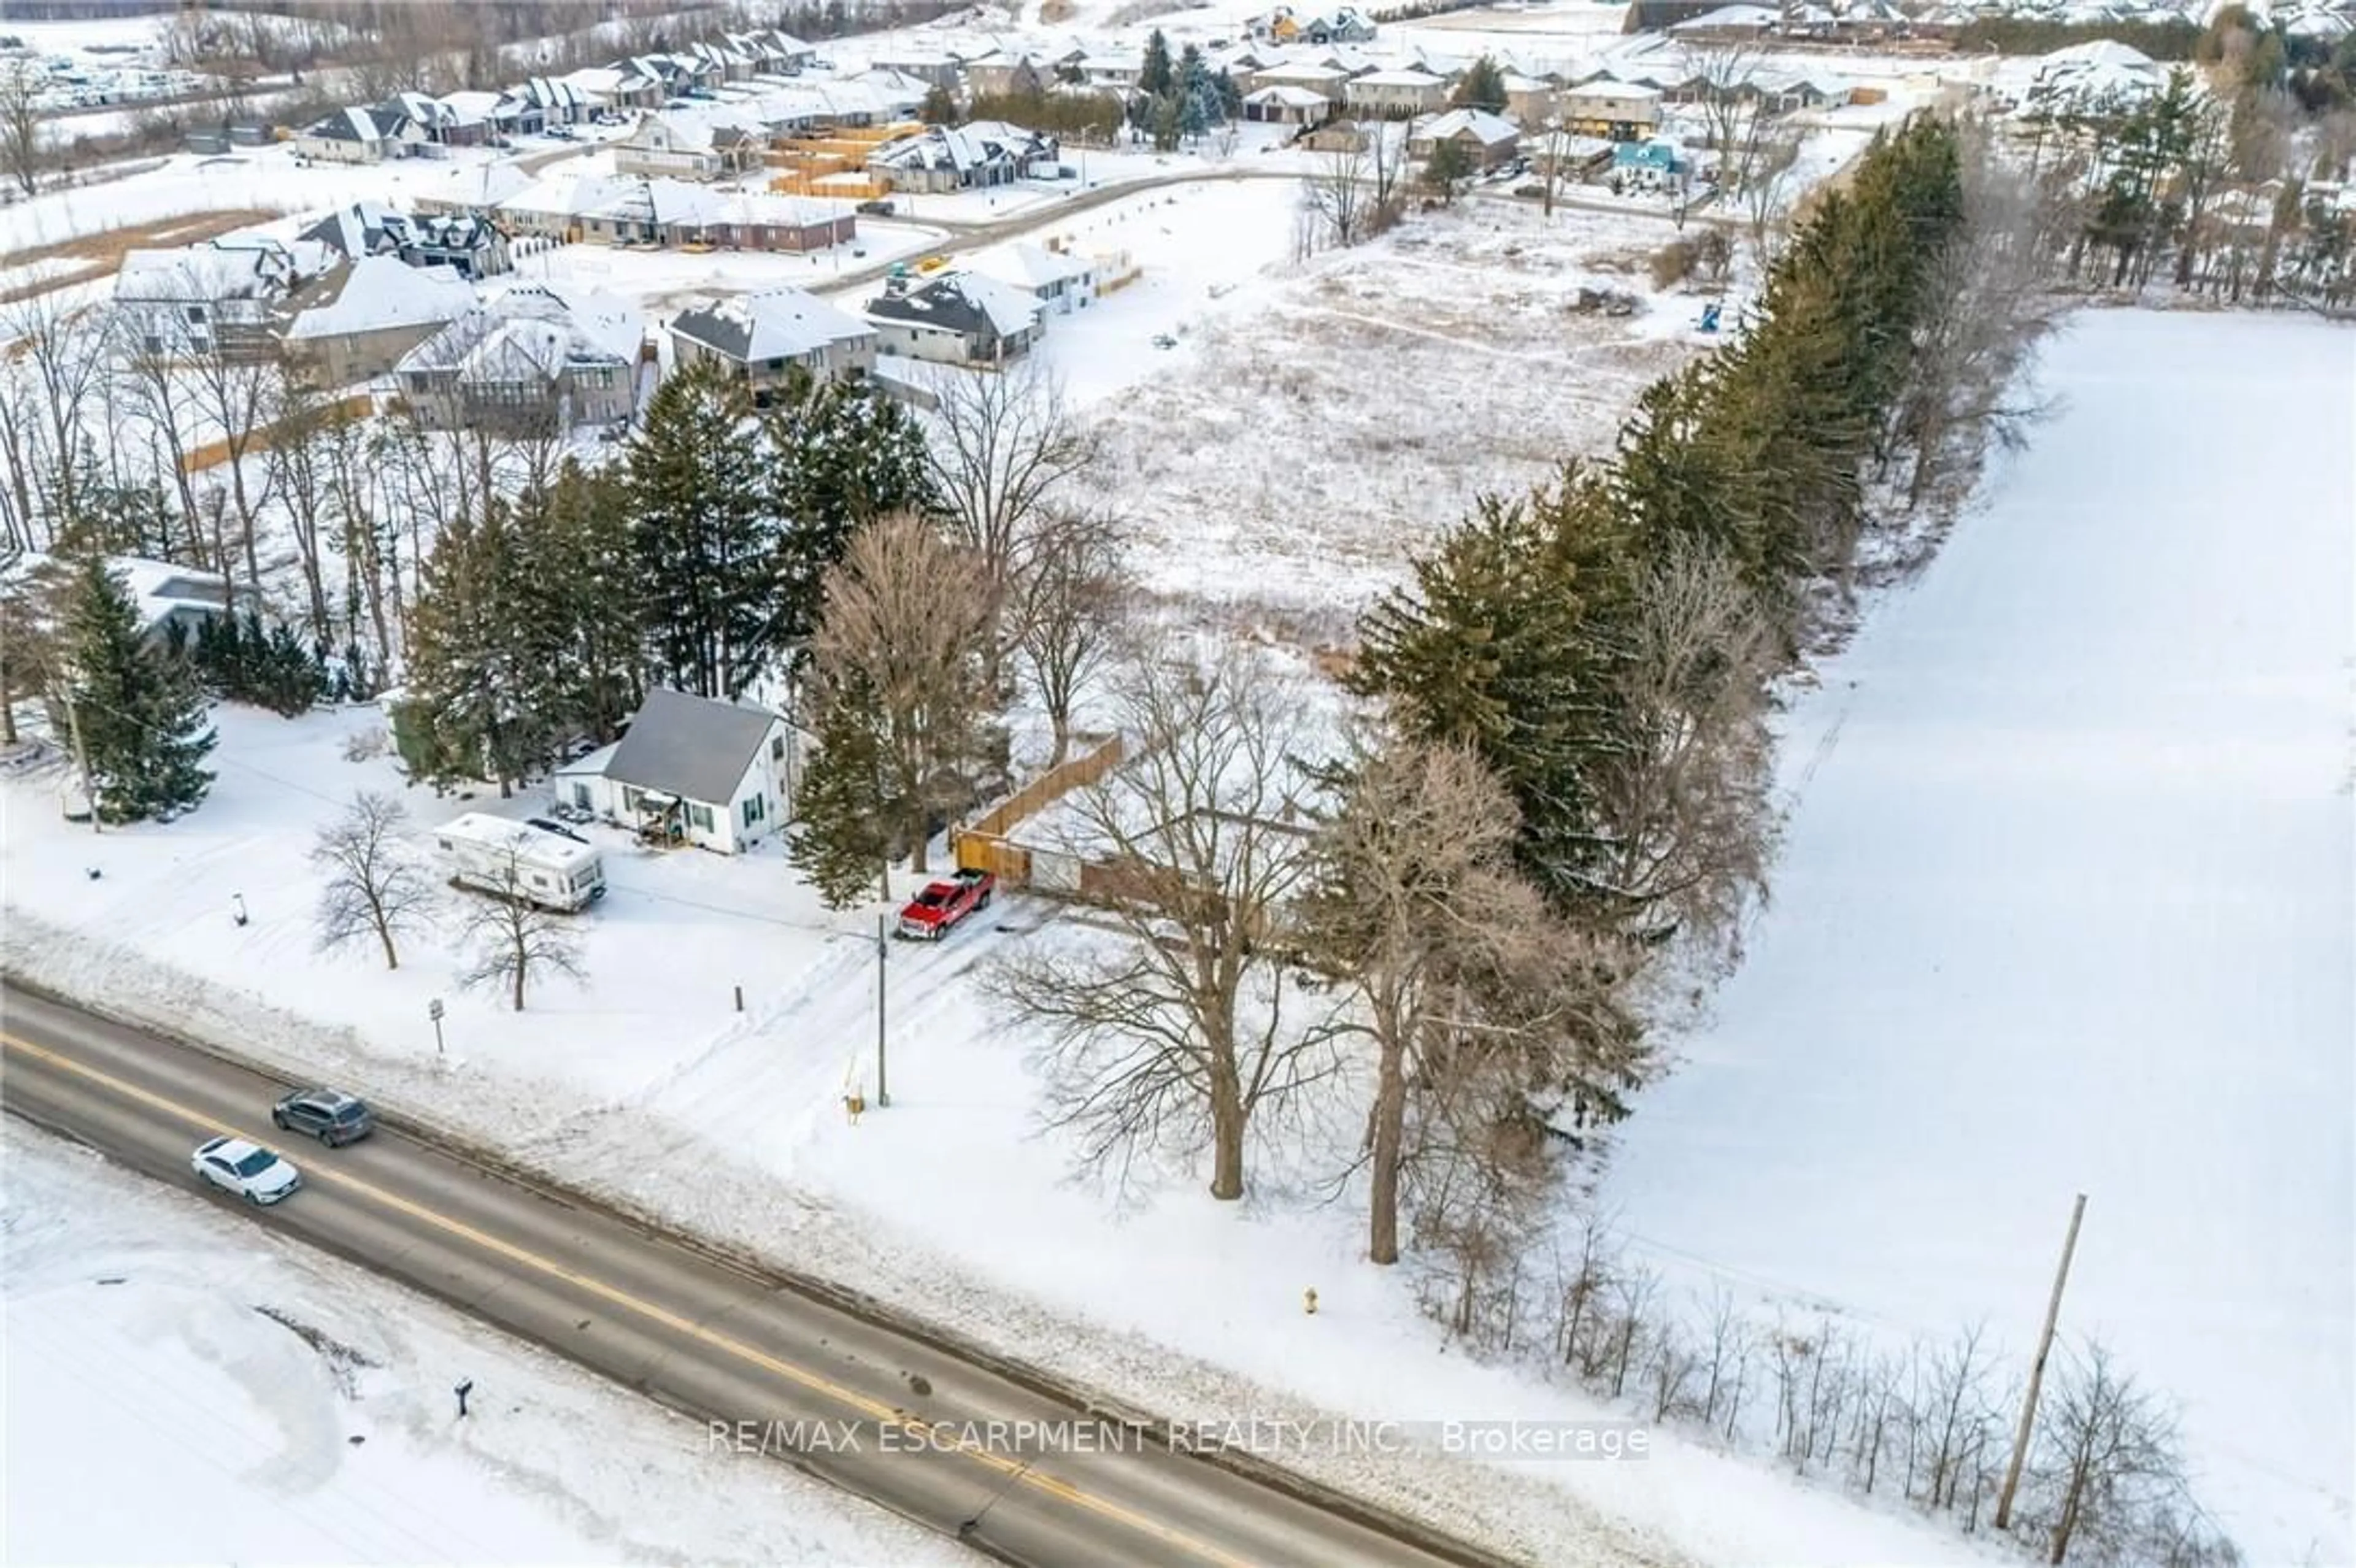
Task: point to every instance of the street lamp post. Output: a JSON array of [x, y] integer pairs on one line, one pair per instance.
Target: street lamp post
[[883, 960]]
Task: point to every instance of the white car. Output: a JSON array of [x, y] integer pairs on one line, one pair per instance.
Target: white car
[[248, 1169]]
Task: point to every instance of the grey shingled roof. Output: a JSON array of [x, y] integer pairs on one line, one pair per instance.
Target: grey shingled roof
[[690, 746]]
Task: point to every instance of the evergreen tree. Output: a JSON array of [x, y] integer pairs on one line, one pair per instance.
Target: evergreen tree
[[1449, 168], [840, 455], [939, 108], [705, 539], [1155, 76], [139, 712], [1482, 86], [479, 661], [1199, 105], [580, 536], [1231, 97], [843, 841], [1505, 643], [1166, 125]]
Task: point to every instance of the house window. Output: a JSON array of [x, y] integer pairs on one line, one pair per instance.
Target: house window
[[699, 817], [776, 748], [630, 798], [581, 795], [196, 312], [754, 810]]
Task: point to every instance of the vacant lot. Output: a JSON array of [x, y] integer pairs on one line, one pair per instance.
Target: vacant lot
[[1376, 393]]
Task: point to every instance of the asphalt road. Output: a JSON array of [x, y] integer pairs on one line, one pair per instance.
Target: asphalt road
[[896, 1420]]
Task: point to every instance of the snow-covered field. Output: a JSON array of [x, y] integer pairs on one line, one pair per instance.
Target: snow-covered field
[[1294, 452], [1201, 250], [2064, 907], [185, 1387]]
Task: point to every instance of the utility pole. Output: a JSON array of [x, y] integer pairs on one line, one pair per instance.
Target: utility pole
[[883, 958], [2036, 1372], [82, 758]]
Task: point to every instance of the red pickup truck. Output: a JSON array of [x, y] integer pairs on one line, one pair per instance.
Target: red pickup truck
[[941, 905]]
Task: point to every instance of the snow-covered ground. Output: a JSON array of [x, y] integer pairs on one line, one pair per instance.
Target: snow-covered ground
[[185, 1387], [1200, 250], [2064, 907], [264, 179], [1293, 452]]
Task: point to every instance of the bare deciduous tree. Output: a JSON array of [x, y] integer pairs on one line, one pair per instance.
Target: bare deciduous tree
[[1002, 446], [2111, 1454], [1173, 1034], [510, 942], [1064, 614], [20, 123], [1417, 905], [1769, 163], [1688, 795], [56, 349], [907, 625], [1992, 305], [374, 885], [1355, 191]]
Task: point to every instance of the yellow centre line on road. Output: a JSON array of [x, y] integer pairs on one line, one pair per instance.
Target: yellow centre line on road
[[876, 1410]]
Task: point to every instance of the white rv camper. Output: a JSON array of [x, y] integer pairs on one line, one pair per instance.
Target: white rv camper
[[484, 851]]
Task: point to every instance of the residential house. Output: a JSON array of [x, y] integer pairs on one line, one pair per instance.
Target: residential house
[[1328, 81], [1530, 100], [1490, 140], [1002, 75], [957, 318], [1283, 105], [370, 313], [352, 136], [541, 102], [673, 213], [1396, 94], [169, 599], [687, 147], [1788, 92], [1061, 282], [1615, 111], [550, 207], [766, 339], [1337, 136], [532, 359], [1284, 26], [1728, 24], [224, 298], [1113, 68], [965, 157], [690, 770], [472, 245], [476, 190], [1572, 158], [934, 69]]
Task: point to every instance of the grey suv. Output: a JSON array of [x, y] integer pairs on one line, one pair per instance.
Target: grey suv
[[334, 1118]]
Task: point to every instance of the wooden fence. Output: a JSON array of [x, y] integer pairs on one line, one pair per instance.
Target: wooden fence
[[213, 455], [987, 843]]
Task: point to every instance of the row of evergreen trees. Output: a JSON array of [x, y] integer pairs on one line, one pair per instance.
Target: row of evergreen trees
[[695, 563], [1525, 631]]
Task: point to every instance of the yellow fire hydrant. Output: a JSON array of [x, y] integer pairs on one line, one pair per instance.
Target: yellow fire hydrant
[[1308, 1301], [854, 1104]]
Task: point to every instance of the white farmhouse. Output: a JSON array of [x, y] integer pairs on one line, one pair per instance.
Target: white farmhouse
[[689, 771]]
